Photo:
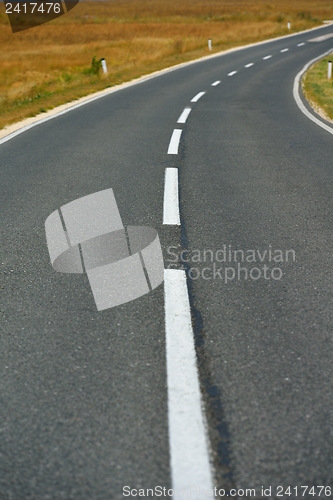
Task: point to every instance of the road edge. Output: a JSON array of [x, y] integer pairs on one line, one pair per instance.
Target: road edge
[[18, 128], [297, 96]]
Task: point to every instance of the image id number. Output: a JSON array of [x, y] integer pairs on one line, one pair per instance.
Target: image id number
[[314, 491], [33, 7]]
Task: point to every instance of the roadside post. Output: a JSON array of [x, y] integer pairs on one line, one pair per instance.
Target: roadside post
[[210, 44], [104, 66], [329, 70]]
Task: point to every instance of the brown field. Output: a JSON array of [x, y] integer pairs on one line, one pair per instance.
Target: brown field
[[48, 65]]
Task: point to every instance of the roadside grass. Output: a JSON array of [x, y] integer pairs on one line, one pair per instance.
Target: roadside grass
[[317, 89], [52, 64]]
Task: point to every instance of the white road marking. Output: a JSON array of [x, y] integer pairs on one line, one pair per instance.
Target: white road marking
[[174, 142], [171, 198], [14, 130], [197, 97], [284, 50], [321, 38], [183, 117], [298, 99], [267, 57], [216, 83], [300, 44], [189, 448], [232, 73], [248, 65]]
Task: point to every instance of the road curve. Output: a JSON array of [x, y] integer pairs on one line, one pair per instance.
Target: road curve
[[84, 395]]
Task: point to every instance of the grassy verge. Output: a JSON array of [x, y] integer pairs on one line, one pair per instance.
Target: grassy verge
[[49, 65], [318, 89]]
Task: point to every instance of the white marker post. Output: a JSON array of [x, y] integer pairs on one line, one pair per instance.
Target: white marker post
[[329, 70], [289, 26], [210, 44], [104, 66]]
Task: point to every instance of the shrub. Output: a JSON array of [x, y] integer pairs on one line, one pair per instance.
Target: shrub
[[95, 67]]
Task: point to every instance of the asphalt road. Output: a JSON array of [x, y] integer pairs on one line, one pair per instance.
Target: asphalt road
[[83, 399]]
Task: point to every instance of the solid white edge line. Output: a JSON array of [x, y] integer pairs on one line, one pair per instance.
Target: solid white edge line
[[183, 117], [98, 95], [248, 65], [267, 57], [198, 96], [232, 73], [171, 198], [174, 141], [214, 84], [298, 99], [188, 440]]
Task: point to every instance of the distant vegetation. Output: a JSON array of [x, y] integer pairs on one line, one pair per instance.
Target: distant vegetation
[[46, 66], [318, 89]]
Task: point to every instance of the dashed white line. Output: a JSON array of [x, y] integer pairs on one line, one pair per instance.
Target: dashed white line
[[171, 198], [284, 50], [216, 83], [300, 44], [174, 142], [197, 97], [183, 117], [248, 65], [232, 73], [267, 57], [189, 455]]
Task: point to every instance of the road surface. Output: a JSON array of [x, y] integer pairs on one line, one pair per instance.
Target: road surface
[[84, 394]]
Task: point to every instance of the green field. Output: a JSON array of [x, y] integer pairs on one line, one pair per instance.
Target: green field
[[318, 89]]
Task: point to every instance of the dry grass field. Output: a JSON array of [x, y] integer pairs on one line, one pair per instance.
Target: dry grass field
[[48, 65]]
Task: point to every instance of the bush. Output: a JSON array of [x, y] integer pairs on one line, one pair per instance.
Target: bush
[[95, 67]]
